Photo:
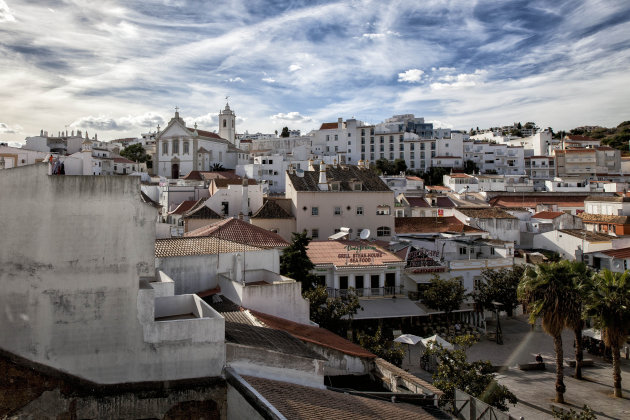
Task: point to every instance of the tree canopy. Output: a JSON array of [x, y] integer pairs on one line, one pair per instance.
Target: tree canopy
[[435, 175], [444, 295], [329, 312], [295, 263], [135, 152], [475, 378], [391, 351], [499, 286], [285, 132]]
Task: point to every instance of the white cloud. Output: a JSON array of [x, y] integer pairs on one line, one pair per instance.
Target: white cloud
[[5, 13], [411, 76], [460, 80], [205, 122], [6, 129], [295, 67], [380, 35], [268, 80], [292, 116], [105, 123], [235, 80]]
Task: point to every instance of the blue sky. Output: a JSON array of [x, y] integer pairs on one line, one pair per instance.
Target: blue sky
[[119, 68]]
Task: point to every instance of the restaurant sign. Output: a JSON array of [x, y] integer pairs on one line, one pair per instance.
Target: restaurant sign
[[357, 254]]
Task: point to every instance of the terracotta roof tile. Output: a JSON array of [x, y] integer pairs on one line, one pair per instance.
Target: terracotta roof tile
[[417, 202], [548, 214], [205, 133], [239, 231], [183, 207], [608, 198], [180, 247], [201, 211], [588, 235], [486, 213], [617, 253], [122, 160], [436, 188], [531, 201], [431, 225], [342, 253], [603, 218], [271, 210], [576, 137], [315, 335], [345, 174], [329, 126], [300, 402]]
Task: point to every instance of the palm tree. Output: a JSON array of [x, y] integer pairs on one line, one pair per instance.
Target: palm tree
[[574, 317], [548, 292], [609, 305]]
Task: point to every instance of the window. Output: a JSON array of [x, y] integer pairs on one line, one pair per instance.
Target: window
[[336, 137], [383, 210], [349, 134], [186, 148], [315, 211], [165, 148], [383, 231], [491, 251], [463, 251], [359, 210], [315, 233], [327, 137], [382, 139], [391, 139], [225, 207], [224, 122], [337, 211], [357, 186]]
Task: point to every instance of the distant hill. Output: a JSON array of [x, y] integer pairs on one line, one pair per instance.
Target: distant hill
[[617, 137]]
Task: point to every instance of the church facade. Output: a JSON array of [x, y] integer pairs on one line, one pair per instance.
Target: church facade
[[181, 149]]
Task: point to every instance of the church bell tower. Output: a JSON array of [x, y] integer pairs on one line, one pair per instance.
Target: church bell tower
[[227, 129]]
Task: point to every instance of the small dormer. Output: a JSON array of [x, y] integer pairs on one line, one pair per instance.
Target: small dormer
[[357, 186], [335, 186]]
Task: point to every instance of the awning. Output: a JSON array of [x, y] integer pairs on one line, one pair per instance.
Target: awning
[[388, 308]]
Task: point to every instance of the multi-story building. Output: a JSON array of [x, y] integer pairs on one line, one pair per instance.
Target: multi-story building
[[332, 197], [588, 162]]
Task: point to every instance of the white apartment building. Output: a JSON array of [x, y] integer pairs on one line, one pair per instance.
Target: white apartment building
[[588, 162], [332, 197], [12, 157], [64, 143], [490, 157]]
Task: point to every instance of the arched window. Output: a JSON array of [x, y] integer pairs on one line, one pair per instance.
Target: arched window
[[383, 231], [224, 122]]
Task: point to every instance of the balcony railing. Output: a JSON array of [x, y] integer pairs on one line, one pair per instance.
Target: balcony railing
[[367, 292]]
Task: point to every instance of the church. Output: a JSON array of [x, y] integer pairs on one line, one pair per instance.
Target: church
[[181, 149]]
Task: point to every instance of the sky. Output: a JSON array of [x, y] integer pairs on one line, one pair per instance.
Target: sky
[[119, 68]]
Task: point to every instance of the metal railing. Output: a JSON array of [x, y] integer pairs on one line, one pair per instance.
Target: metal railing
[[367, 292]]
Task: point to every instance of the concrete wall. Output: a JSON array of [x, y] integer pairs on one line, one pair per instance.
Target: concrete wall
[[283, 300], [72, 253], [283, 227], [339, 363], [238, 408], [195, 273]]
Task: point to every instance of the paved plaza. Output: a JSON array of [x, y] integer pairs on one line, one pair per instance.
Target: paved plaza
[[535, 389]]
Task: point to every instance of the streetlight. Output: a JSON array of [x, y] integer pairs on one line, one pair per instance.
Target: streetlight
[[499, 333]]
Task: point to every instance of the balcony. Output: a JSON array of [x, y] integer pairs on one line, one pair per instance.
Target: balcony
[[367, 292]]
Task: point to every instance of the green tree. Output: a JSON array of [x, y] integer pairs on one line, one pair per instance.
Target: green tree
[[548, 292], [444, 295], [580, 276], [136, 153], [295, 263], [334, 314], [384, 166], [285, 132], [499, 286], [389, 350], [609, 304], [435, 175], [475, 378], [399, 166], [585, 414], [470, 167], [216, 167]]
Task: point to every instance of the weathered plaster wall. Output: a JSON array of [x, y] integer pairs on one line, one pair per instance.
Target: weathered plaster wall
[[72, 252]]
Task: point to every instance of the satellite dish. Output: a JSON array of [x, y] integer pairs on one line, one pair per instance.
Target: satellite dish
[[365, 233]]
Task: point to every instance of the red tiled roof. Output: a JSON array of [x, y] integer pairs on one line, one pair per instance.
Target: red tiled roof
[[122, 160], [414, 178], [181, 247], [237, 230], [459, 175], [485, 213], [305, 403], [617, 253], [184, 207], [315, 335], [444, 202], [436, 188], [548, 214], [207, 133], [329, 126], [206, 175], [570, 151], [432, 225], [417, 202], [342, 253]]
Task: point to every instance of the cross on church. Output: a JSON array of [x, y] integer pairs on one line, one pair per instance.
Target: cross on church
[[176, 108]]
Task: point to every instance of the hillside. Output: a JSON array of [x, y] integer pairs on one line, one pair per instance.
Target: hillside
[[617, 137]]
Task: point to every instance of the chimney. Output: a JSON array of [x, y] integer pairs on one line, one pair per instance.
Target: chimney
[[245, 199], [310, 165], [340, 123], [323, 184]]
